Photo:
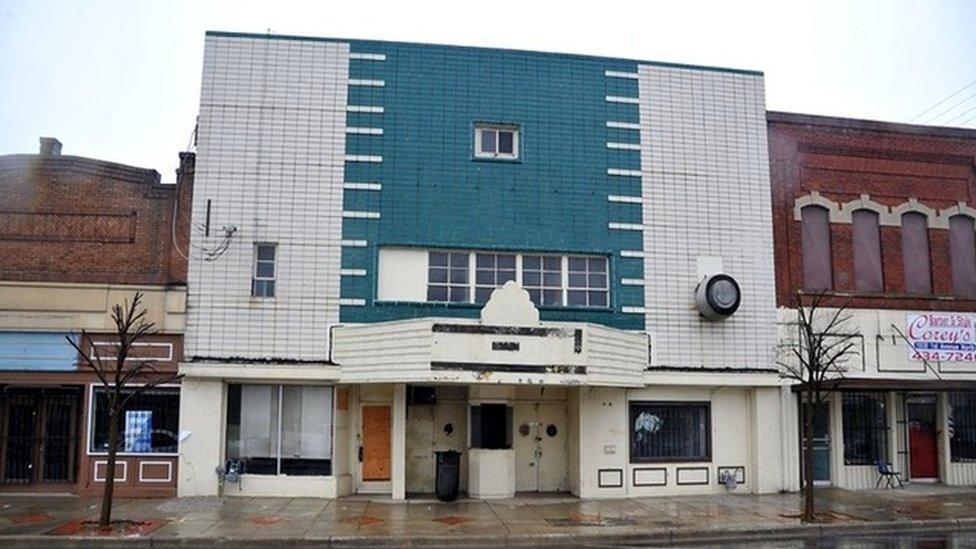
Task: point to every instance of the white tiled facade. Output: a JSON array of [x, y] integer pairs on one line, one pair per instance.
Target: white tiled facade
[[270, 162], [706, 194]]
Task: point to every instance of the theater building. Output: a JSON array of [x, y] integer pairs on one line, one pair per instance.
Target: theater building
[[77, 236], [560, 266], [880, 217]]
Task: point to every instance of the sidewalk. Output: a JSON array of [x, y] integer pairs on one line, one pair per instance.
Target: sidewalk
[[28, 520]]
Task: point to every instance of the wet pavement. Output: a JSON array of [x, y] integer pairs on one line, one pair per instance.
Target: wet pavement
[[882, 518]]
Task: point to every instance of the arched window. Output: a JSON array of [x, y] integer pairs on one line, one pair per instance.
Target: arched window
[[915, 253], [867, 252], [815, 235], [962, 249]]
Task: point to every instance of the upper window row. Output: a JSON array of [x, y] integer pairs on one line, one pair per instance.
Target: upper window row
[[499, 141], [867, 252], [551, 280]]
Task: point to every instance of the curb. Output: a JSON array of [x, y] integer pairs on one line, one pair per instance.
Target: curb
[[657, 537]]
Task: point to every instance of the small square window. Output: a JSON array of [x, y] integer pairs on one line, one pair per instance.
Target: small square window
[[264, 274], [496, 141]]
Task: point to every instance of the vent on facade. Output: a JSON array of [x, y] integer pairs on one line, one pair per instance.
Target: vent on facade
[[50, 146]]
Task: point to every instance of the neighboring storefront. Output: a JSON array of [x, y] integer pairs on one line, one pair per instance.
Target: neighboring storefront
[[78, 236], [878, 217]]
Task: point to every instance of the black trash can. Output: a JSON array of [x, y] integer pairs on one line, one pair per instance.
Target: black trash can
[[448, 478]]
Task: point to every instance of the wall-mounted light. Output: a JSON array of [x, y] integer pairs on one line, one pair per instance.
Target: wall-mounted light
[[717, 296]]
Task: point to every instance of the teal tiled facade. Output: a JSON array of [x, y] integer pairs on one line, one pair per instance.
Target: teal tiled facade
[[435, 194]]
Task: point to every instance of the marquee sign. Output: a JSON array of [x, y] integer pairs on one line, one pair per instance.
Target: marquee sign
[[941, 337]]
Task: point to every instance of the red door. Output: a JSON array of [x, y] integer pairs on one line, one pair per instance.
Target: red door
[[922, 446]]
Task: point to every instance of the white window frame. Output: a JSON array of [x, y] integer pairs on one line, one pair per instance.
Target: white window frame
[[587, 288], [519, 275], [274, 270], [332, 429], [90, 426], [496, 128]]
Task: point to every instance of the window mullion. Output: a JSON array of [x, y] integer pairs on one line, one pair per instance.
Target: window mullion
[[564, 277], [518, 269], [472, 268], [278, 451]]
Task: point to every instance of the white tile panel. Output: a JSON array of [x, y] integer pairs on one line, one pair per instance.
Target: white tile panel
[[272, 128], [706, 191]]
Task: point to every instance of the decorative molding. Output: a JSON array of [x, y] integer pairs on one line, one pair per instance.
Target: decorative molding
[[610, 478], [104, 463], [639, 472], [623, 146], [959, 209], [366, 82], [632, 281], [362, 186], [169, 471], [353, 243], [623, 125], [625, 226], [620, 99], [888, 216], [691, 481], [368, 158], [352, 214], [624, 172], [885, 219], [364, 131], [625, 199], [352, 302], [111, 358], [367, 56], [633, 310], [633, 253], [621, 74], [364, 108], [352, 272]]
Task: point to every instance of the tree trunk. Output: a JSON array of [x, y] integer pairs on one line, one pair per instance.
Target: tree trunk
[[808, 503], [113, 446]]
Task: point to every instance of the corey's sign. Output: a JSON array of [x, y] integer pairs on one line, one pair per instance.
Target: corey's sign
[[942, 337]]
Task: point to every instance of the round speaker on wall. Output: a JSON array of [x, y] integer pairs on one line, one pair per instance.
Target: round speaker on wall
[[717, 296]]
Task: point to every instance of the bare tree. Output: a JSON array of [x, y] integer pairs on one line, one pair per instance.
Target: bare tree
[[122, 377], [816, 360]]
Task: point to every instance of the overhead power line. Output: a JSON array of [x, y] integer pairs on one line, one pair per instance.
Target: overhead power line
[[960, 115], [950, 96], [936, 117]]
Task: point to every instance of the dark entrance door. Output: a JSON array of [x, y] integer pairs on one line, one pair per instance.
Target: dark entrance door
[[922, 444], [39, 438], [821, 442]]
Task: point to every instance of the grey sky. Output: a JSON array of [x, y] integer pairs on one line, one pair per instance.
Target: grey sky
[[120, 80]]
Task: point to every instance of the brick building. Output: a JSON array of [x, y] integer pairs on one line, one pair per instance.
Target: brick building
[[881, 217], [77, 236]]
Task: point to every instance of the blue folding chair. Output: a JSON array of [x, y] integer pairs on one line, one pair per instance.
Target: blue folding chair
[[888, 475]]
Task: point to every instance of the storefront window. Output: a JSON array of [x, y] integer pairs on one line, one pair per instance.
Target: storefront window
[[865, 428], [491, 426], [962, 426], [280, 429], [670, 431], [149, 424]]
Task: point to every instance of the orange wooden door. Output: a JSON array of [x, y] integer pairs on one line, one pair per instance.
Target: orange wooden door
[[376, 443]]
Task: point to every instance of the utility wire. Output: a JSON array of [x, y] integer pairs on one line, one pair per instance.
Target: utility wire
[[960, 115], [950, 96], [967, 98]]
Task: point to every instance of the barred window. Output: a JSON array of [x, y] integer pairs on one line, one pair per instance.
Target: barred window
[[587, 282], [447, 277], [962, 426], [865, 428], [492, 271], [542, 276], [670, 431]]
